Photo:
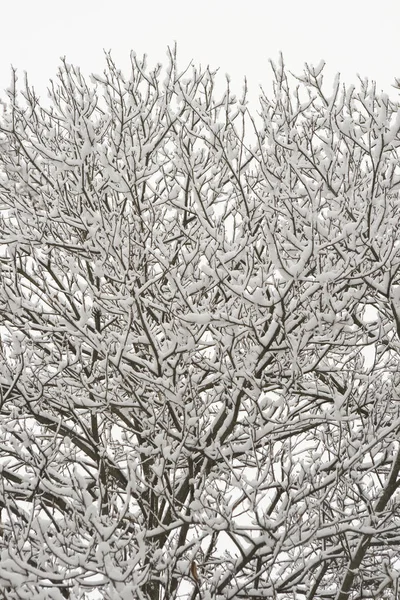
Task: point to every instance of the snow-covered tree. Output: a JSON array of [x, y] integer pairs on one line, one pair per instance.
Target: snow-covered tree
[[199, 339]]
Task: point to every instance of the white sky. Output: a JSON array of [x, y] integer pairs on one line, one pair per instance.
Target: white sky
[[352, 36]]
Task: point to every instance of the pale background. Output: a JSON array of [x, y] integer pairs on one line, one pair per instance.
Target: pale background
[[352, 36]]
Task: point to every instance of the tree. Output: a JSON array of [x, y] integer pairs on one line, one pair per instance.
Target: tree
[[200, 339]]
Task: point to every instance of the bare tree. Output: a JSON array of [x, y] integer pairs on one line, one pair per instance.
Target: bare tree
[[200, 339]]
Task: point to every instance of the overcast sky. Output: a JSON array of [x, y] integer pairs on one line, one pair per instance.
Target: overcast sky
[[352, 36]]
